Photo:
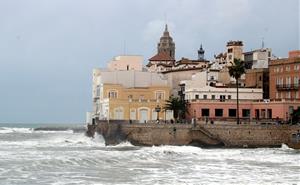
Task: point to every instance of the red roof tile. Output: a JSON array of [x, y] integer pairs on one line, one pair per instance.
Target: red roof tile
[[161, 56]]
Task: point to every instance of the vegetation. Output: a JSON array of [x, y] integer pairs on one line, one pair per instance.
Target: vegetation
[[178, 106], [236, 70]]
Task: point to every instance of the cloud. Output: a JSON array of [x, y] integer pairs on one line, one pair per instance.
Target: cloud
[[48, 48], [154, 29]]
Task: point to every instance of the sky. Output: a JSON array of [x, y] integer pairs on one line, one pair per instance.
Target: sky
[[48, 48]]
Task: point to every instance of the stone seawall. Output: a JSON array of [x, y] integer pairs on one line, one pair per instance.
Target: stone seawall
[[199, 135], [154, 134], [252, 135]]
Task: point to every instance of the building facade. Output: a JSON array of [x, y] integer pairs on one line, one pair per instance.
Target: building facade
[[258, 59], [285, 77], [129, 95], [248, 110], [160, 62], [198, 88], [126, 63], [258, 78], [234, 50]]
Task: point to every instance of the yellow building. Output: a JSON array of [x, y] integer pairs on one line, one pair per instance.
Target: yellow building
[[137, 103], [130, 95]]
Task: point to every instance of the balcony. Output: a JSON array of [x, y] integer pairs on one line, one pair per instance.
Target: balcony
[[287, 87]]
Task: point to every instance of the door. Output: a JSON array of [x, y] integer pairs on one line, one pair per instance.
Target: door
[[143, 115]]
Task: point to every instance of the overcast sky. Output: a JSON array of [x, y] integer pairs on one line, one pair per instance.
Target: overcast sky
[[49, 47]]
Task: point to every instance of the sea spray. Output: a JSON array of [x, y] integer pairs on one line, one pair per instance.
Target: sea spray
[[65, 157]]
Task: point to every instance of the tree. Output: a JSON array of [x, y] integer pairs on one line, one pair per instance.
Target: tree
[[236, 70], [178, 106]]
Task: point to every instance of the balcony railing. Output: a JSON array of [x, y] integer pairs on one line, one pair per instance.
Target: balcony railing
[[286, 87]]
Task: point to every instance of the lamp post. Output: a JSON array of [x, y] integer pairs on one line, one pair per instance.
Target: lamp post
[[129, 101], [157, 109], [165, 115], [194, 122]]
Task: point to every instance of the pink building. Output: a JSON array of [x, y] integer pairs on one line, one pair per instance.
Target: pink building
[[248, 110]]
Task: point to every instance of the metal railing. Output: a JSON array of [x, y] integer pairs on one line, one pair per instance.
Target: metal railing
[[285, 87]]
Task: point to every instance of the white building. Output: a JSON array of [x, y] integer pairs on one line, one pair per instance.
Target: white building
[[197, 88], [258, 59], [126, 63]]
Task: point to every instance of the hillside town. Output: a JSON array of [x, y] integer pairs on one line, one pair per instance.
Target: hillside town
[[268, 87]]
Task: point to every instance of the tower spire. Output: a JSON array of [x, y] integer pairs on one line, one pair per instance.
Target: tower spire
[[166, 43], [201, 53]]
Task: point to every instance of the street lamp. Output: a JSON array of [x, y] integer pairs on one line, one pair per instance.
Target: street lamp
[[194, 122], [129, 101], [157, 109]]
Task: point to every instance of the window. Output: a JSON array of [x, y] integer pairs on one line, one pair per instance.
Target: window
[[263, 113], [218, 112], [205, 96], [230, 50], [213, 97], [232, 112], [229, 97], [230, 57], [222, 98], [256, 113], [288, 94], [269, 113], [112, 94], [160, 95], [205, 112], [197, 96], [288, 81], [259, 78], [98, 90], [246, 113], [296, 81], [287, 68]]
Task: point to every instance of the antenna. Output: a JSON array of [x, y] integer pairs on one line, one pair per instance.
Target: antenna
[[262, 43]]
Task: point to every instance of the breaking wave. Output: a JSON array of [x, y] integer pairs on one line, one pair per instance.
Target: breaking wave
[[64, 157]]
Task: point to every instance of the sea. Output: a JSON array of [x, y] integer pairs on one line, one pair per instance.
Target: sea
[[62, 155]]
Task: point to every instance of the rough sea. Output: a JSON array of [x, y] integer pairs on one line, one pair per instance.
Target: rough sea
[[67, 156]]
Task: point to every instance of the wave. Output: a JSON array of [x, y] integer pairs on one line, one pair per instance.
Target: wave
[[74, 129], [7, 130]]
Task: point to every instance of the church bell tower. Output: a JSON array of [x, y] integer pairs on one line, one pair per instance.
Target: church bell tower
[[166, 44]]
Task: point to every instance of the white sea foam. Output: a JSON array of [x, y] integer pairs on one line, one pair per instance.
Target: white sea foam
[[54, 131], [6, 130], [72, 158], [122, 144]]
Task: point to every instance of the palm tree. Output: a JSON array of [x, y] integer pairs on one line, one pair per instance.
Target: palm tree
[[177, 105], [236, 70]]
